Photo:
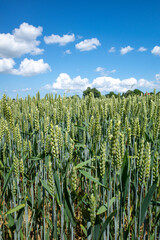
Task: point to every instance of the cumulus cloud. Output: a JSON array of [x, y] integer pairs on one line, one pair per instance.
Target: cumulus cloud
[[142, 49], [21, 41], [112, 49], [129, 82], [27, 32], [88, 44], [6, 64], [156, 50], [62, 41], [65, 82], [29, 67], [102, 83], [147, 84], [125, 50], [107, 84]]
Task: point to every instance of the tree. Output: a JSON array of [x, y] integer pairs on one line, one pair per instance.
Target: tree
[[138, 92], [132, 93], [75, 96], [96, 93], [110, 94]]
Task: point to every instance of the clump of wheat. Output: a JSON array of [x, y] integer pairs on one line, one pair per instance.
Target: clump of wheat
[[92, 209], [102, 159], [16, 166], [156, 168], [74, 179], [51, 183], [21, 167]]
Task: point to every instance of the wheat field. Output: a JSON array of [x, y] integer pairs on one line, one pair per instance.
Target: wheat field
[[80, 168]]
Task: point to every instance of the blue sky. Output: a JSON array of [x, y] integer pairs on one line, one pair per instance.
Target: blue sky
[[66, 46]]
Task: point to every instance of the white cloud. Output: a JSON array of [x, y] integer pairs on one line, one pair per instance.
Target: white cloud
[[107, 84], [37, 51], [88, 44], [22, 90], [62, 41], [68, 51], [27, 32], [102, 83], [6, 64], [15, 90], [79, 37], [126, 50], [103, 71], [65, 82], [156, 50], [100, 69], [129, 82], [47, 87], [26, 89], [157, 77], [147, 84], [112, 49], [112, 71], [29, 67], [21, 41], [142, 49]]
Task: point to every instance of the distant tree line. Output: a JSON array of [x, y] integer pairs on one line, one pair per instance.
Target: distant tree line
[[97, 93]]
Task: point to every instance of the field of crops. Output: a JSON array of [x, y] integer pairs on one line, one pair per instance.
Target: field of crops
[[74, 168]]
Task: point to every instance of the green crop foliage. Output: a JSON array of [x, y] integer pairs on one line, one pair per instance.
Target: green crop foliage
[[73, 168]]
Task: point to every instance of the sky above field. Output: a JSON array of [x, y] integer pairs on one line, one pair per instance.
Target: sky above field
[[66, 46]]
